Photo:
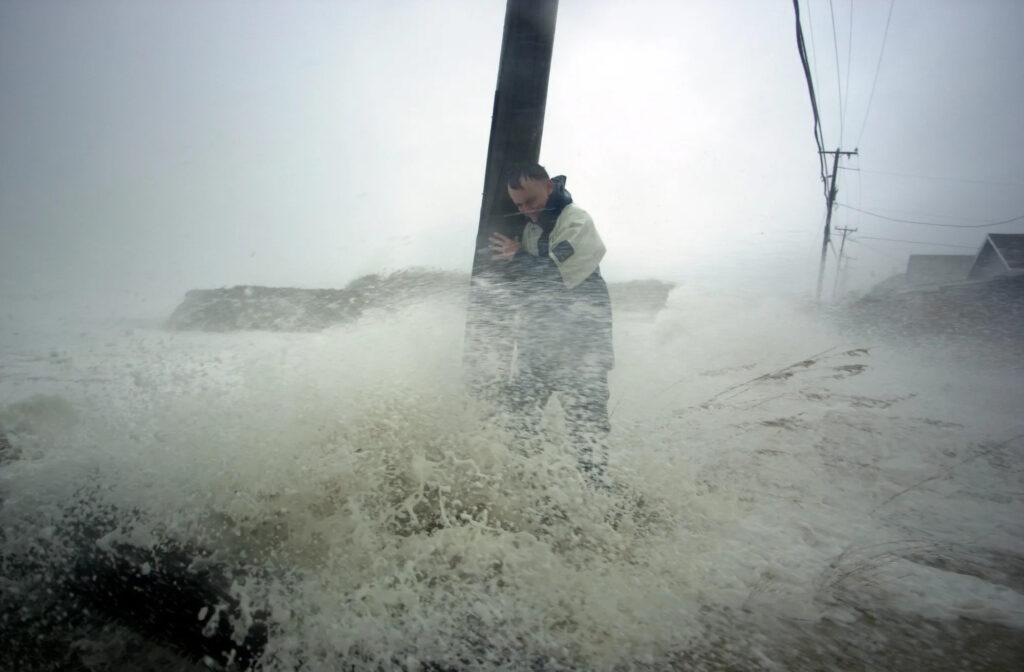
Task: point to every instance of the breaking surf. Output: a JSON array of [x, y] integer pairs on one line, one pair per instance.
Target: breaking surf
[[784, 496]]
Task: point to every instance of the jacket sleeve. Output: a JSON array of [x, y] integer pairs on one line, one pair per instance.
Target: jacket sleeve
[[575, 247]]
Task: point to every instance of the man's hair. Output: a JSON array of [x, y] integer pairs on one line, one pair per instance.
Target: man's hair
[[526, 171]]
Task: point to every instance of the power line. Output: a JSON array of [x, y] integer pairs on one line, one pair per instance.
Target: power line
[[876, 250], [916, 242], [818, 138], [830, 188], [839, 83], [919, 215], [947, 226], [932, 177], [849, 56], [814, 47], [878, 67]]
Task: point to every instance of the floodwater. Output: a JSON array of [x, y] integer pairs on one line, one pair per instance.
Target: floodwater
[[784, 497]]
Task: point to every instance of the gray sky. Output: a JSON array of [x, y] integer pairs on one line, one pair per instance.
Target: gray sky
[[164, 146]]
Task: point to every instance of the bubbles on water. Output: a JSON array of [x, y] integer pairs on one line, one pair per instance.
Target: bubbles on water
[[371, 514]]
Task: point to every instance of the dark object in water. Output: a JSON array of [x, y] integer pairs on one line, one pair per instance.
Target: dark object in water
[[7, 452], [174, 597]]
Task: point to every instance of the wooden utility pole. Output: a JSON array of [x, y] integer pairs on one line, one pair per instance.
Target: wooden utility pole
[[517, 125], [517, 122], [828, 214], [839, 264]]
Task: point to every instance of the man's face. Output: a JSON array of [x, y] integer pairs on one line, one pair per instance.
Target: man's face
[[532, 198]]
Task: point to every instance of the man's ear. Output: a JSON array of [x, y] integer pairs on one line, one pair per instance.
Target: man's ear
[[551, 186]]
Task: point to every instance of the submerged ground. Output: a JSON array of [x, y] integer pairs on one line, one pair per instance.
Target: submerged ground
[[787, 496]]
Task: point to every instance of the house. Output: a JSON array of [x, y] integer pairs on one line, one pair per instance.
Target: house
[[976, 301], [1001, 254]]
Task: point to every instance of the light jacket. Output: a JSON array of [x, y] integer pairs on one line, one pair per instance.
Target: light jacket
[[564, 299], [573, 244]]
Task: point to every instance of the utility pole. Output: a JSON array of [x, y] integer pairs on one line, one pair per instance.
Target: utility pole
[[517, 124], [517, 121], [828, 213], [839, 264], [844, 281]]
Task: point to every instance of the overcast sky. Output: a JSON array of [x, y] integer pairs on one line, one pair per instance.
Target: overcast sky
[[165, 146]]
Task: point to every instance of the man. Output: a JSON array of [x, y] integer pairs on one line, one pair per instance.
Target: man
[[565, 345]]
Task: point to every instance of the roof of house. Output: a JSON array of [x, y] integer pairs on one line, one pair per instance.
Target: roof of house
[[1001, 254]]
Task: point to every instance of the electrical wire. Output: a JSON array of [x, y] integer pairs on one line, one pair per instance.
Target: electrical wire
[[818, 138], [849, 57], [871, 96], [876, 250], [916, 242], [921, 215], [947, 226], [814, 47], [931, 177], [839, 83]]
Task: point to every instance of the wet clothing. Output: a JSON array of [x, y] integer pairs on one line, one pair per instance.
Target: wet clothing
[[564, 337]]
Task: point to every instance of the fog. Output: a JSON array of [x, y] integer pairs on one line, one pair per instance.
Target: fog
[[149, 148], [794, 485]]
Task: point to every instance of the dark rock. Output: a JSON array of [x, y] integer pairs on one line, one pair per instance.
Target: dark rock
[[247, 307], [295, 309]]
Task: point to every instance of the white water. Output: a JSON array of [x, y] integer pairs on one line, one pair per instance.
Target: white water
[[382, 520]]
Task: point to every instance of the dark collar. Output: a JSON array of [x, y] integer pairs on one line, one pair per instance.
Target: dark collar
[[557, 201]]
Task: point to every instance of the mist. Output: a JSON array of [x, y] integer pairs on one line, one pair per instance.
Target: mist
[[150, 149], [795, 484], [786, 493]]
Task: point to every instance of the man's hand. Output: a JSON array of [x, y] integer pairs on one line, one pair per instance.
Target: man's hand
[[503, 247]]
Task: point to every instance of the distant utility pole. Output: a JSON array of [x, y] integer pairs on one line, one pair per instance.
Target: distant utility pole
[[844, 278], [839, 264], [828, 213]]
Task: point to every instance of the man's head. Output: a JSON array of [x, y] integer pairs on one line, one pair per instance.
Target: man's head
[[529, 188]]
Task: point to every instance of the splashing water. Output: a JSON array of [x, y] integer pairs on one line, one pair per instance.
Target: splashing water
[[780, 494]]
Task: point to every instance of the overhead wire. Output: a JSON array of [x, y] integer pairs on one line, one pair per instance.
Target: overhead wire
[[947, 226], [878, 68], [935, 178], [874, 249], [814, 47], [921, 215], [818, 137], [839, 82], [917, 242], [849, 57]]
